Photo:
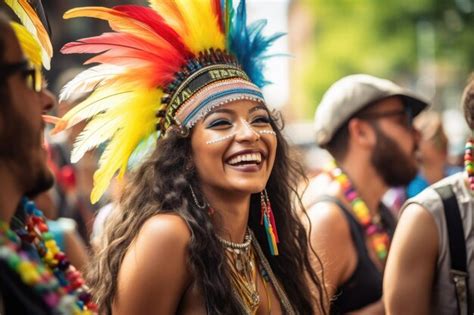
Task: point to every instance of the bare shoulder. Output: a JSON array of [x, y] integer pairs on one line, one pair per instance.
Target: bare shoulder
[[164, 228], [328, 218], [154, 273], [411, 263], [161, 244], [417, 221], [330, 237]]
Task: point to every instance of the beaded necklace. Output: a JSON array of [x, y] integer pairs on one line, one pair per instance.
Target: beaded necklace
[[468, 162], [58, 283], [372, 226], [240, 259]]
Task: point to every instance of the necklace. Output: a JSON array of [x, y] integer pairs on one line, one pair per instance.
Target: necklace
[[269, 277], [372, 225], [240, 260], [468, 162], [58, 283]]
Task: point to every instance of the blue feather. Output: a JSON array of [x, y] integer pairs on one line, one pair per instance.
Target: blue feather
[[249, 44]]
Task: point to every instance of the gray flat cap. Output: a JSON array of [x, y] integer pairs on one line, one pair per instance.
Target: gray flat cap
[[351, 94]]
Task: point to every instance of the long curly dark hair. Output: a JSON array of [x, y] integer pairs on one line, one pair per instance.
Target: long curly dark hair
[[161, 185]]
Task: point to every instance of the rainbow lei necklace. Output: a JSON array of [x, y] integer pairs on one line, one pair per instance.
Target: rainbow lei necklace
[[373, 228], [58, 283], [468, 162]]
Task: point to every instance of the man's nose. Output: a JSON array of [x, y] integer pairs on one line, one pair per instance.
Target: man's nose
[[48, 100]]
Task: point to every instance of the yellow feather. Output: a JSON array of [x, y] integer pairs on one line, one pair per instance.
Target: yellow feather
[[32, 23], [135, 122], [29, 45], [203, 30], [170, 12], [194, 20], [100, 100]]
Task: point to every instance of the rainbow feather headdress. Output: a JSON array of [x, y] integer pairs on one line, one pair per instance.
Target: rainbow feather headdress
[[162, 67], [34, 34]]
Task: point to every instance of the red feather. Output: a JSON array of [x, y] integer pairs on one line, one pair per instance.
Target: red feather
[[151, 18], [216, 5], [124, 41]]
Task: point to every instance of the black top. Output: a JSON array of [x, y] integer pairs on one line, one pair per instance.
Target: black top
[[364, 286], [16, 297]]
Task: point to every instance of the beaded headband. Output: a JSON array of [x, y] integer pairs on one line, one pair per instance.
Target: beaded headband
[[163, 66]]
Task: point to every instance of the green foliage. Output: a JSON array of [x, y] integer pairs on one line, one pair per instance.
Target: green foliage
[[385, 38]]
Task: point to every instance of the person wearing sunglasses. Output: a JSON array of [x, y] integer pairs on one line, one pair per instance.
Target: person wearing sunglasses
[[366, 124], [35, 276]]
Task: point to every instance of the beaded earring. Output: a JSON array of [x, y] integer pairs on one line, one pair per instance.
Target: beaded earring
[[468, 162], [268, 220]]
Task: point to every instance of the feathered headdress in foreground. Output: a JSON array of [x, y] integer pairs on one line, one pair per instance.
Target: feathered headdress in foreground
[[162, 66], [34, 34]]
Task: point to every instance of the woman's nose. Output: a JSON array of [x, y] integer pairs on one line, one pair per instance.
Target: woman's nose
[[246, 132]]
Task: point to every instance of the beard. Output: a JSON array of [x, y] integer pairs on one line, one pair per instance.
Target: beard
[[395, 167], [20, 151]]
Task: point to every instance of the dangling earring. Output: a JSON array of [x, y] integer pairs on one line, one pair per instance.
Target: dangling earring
[[201, 206], [468, 163], [268, 220]]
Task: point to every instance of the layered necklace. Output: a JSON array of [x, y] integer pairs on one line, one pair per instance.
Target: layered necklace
[[372, 225], [240, 260], [58, 283], [245, 261], [468, 162]]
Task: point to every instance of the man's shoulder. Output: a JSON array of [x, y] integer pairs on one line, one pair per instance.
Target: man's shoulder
[[430, 199]]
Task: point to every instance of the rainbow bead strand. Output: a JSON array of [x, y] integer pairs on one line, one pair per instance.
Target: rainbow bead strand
[[468, 162], [374, 231]]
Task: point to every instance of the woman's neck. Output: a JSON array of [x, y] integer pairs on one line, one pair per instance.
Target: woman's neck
[[230, 215]]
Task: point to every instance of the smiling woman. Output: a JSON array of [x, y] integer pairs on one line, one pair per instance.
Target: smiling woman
[[206, 224]]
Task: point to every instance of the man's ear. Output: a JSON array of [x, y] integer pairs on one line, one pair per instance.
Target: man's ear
[[361, 132]]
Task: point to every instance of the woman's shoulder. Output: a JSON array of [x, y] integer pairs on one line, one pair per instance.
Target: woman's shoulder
[[154, 274], [165, 228]]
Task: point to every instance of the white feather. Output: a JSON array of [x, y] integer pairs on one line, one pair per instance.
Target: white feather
[[97, 131], [88, 80]]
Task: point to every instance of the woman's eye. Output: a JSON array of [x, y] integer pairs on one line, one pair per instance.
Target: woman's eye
[[219, 123], [261, 120]]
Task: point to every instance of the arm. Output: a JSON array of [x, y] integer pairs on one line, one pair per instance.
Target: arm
[[75, 249], [411, 263], [154, 275], [331, 240]]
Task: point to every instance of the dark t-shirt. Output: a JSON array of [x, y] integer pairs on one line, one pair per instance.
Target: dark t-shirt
[[16, 297]]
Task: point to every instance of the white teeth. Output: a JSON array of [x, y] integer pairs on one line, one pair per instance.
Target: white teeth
[[252, 157]]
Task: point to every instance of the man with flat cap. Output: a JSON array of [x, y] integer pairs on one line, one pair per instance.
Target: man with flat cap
[[366, 125]]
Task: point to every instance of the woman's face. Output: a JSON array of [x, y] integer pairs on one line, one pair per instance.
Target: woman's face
[[234, 148]]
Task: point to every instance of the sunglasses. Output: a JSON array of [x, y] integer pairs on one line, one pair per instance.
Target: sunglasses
[[406, 114], [33, 75]]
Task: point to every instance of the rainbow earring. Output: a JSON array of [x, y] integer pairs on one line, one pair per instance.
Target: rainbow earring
[[468, 163], [268, 221]]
